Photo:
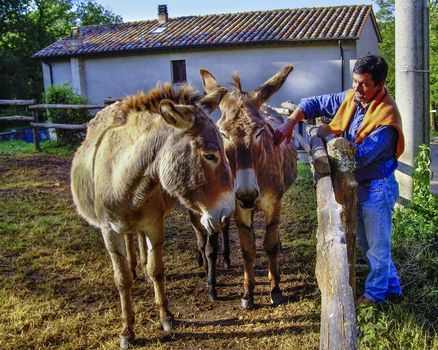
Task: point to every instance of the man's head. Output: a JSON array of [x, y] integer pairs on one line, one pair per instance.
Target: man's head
[[369, 74]]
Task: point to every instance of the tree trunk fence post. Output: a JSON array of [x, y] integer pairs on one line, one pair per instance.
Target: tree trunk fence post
[[36, 140], [336, 235], [341, 157]]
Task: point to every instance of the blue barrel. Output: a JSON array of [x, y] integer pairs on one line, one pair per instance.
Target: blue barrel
[[27, 135]]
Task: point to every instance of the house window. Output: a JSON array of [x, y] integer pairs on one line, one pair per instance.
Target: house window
[[179, 72]]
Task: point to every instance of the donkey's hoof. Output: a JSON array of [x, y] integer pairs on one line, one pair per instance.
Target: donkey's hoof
[[199, 259], [212, 295], [167, 326], [125, 342], [227, 264], [276, 297], [247, 303]]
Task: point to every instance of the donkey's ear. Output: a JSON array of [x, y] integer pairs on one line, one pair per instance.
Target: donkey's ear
[[179, 116], [208, 80], [210, 101], [270, 86]]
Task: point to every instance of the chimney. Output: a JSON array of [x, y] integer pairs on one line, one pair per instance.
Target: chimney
[[75, 37], [162, 14], [75, 32]]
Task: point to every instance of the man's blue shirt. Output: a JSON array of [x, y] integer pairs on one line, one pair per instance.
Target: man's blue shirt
[[375, 156]]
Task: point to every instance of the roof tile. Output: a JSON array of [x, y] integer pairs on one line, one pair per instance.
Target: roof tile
[[258, 27]]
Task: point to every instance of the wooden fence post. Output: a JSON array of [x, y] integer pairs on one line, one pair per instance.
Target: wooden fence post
[[36, 140], [341, 157], [338, 315]]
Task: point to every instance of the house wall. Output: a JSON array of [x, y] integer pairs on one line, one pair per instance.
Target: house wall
[[368, 42], [317, 70], [61, 73]]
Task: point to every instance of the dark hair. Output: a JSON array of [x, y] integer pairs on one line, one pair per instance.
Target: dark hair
[[374, 65]]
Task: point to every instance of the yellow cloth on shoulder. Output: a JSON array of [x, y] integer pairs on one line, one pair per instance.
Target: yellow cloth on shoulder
[[381, 111]]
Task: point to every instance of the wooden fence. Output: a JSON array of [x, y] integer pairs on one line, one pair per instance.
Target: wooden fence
[[35, 118], [332, 167]]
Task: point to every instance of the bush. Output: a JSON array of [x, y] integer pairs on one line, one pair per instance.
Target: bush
[[64, 94], [416, 242]]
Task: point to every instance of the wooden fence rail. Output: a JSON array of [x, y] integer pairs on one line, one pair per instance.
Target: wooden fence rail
[[34, 120], [11, 103]]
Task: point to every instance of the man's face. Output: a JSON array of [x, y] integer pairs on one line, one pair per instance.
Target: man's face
[[364, 87]]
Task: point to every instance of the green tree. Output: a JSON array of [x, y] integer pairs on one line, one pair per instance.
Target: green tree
[[90, 12], [386, 21], [27, 26]]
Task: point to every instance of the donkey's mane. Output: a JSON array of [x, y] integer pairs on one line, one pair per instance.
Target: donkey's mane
[[150, 100], [252, 118]]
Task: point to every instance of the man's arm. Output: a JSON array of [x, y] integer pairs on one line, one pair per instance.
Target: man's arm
[[310, 108]]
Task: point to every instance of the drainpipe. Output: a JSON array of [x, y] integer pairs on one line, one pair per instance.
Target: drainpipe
[[341, 50], [50, 71]]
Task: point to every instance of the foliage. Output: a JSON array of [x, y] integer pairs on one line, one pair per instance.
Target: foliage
[[64, 94], [27, 26], [386, 21], [416, 239], [392, 328], [90, 12], [419, 219]]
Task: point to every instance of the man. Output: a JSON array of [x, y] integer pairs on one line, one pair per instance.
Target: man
[[368, 117]]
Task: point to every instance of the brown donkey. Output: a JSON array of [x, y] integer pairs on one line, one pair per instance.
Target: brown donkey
[[262, 172], [140, 156]]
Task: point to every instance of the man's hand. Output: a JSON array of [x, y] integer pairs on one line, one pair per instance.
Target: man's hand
[[324, 131], [284, 131]]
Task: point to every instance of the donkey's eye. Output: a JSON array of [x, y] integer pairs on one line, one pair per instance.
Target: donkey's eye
[[260, 132], [210, 157], [224, 135]]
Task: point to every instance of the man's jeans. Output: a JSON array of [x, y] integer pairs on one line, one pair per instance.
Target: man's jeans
[[376, 200]]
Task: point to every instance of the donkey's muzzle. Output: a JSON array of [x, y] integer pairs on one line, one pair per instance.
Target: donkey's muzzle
[[216, 218], [247, 198]]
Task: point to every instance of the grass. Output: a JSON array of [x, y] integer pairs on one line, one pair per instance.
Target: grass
[[47, 148], [57, 290]]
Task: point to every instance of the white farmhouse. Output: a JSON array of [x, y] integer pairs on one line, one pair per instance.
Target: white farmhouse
[[116, 60]]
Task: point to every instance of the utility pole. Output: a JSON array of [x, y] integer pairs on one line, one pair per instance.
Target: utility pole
[[411, 83]]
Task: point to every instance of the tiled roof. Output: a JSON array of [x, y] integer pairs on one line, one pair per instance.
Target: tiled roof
[[233, 29]]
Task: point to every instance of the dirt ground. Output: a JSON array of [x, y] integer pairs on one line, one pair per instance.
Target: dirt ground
[[57, 292]]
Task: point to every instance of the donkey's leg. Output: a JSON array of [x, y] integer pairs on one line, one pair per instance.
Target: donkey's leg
[[244, 221], [115, 245], [211, 250], [142, 247], [155, 267], [131, 253], [272, 248], [201, 239], [226, 245], [207, 249]]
